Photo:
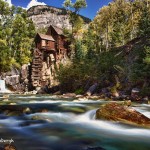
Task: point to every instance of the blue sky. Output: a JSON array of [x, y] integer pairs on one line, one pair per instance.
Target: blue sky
[[90, 11]]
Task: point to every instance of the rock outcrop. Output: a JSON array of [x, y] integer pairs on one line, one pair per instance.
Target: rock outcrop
[[43, 16], [119, 112], [16, 79]]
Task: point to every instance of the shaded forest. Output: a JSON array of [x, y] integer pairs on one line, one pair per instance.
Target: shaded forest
[[114, 51]]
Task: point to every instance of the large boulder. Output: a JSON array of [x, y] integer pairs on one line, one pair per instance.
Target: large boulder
[[119, 112]]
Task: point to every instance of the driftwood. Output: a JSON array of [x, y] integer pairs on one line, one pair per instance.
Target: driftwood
[[92, 89]]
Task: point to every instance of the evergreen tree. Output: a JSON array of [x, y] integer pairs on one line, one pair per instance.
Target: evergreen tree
[[76, 21], [144, 23]]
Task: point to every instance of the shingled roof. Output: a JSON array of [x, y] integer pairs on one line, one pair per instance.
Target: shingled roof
[[46, 37]]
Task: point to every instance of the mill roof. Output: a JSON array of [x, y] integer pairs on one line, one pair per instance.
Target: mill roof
[[58, 30], [46, 37]]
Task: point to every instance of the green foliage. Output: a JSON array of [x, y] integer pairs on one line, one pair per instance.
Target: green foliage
[[140, 68], [145, 91], [147, 57], [16, 36], [5, 60], [79, 54], [79, 4], [23, 33], [99, 52], [122, 21], [41, 30], [67, 4], [76, 22], [76, 75], [76, 6], [79, 91], [144, 24]]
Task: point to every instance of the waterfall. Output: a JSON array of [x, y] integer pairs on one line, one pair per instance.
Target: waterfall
[[3, 87]]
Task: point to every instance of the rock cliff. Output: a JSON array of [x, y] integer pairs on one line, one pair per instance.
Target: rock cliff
[[44, 16]]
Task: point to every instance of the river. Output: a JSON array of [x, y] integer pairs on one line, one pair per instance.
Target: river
[[67, 124]]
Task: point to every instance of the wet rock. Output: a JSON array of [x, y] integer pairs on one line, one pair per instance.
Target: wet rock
[[5, 100], [33, 92], [44, 110], [79, 96], [69, 95], [145, 99], [57, 93], [5, 96], [41, 91], [94, 97], [120, 112], [13, 104], [41, 118], [13, 109], [76, 110], [14, 113], [5, 112], [27, 110], [47, 90], [135, 94], [127, 103], [31, 122], [54, 89]]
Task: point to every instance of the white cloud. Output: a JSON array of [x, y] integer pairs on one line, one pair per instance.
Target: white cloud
[[34, 3]]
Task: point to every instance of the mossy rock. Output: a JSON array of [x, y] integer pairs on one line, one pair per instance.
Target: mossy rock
[[119, 112]]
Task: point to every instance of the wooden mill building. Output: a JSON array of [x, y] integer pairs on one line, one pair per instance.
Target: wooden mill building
[[51, 49]]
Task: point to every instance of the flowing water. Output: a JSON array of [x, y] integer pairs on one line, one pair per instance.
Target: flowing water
[[53, 123]]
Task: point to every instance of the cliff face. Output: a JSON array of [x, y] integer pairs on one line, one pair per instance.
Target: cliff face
[[44, 16]]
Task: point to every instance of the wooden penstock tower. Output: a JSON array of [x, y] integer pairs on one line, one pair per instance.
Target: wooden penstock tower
[[51, 49]]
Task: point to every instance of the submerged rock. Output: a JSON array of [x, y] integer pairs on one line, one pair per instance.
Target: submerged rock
[[95, 148], [27, 110], [14, 113], [31, 122], [119, 112]]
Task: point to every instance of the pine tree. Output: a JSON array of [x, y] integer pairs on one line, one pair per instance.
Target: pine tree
[[144, 23]]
